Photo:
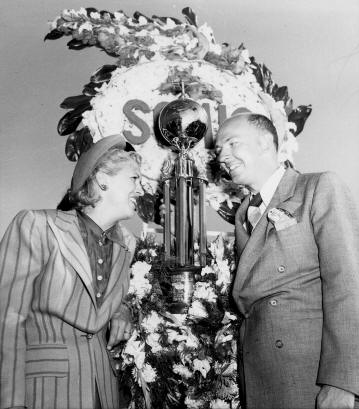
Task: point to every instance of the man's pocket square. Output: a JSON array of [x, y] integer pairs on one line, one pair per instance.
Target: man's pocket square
[[281, 218]]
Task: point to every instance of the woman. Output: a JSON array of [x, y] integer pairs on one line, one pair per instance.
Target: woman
[[63, 276]]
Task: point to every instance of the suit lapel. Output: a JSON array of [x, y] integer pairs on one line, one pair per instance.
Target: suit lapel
[[255, 244], [67, 232]]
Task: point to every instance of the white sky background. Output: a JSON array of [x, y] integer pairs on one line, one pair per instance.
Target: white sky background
[[310, 46]]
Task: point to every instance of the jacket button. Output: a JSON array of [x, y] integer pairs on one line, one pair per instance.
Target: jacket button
[[281, 269], [89, 336], [279, 343], [273, 302]]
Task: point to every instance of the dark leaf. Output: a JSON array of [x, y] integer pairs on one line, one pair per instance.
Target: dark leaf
[[90, 10], [280, 93], [103, 74], [226, 213], [70, 121], [103, 13], [89, 89], [299, 116], [164, 19], [75, 101], [137, 15], [145, 207], [190, 16], [54, 35], [76, 45], [78, 143], [263, 75]]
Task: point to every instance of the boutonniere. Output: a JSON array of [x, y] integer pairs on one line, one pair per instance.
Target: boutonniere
[[281, 218]]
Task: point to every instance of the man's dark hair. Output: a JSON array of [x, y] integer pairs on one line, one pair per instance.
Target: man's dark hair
[[263, 123]]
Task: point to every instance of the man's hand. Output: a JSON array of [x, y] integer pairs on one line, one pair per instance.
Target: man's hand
[[120, 330], [331, 397]]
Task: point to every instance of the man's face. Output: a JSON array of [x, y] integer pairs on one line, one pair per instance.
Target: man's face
[[123, 190], [238, 147]]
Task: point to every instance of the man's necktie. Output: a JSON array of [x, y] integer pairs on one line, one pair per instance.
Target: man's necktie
[[253, 212]]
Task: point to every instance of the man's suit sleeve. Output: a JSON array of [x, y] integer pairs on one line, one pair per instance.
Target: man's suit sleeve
[[336, 227], [19, 265]]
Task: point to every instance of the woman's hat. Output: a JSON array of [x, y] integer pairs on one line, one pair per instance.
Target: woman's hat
[[88, 160]]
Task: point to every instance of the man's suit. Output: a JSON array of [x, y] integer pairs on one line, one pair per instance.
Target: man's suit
[[52, 334], [298, 289]]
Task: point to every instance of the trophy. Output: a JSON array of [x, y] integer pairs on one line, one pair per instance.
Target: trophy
[[183, 123]]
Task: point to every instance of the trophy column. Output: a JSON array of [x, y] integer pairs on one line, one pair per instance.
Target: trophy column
[[183, 123]]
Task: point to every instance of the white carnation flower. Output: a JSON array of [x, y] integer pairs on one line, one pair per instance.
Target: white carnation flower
[[149, 374], [86, 26], [223, 274], [201, 365], [153, 341], [197, 310], [228, 317], [219, 404], [193, 404], [205, 291], [182, 371], [207, 270], [174, 335], [151, 322], [136, 351]]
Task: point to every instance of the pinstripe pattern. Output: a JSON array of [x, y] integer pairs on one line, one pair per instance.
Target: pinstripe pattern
[[47, 311]]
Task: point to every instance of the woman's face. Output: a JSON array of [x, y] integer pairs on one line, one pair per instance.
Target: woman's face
[[123, 190]]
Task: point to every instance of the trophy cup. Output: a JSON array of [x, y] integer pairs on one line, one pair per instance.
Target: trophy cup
[[183, 123]]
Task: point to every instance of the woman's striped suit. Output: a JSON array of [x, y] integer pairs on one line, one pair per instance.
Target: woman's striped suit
[[52, 334]]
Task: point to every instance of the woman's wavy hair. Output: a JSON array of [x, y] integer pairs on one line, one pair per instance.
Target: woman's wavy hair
[[111, 163]]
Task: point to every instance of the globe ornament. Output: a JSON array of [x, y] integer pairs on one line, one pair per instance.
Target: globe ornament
[[183, 123]]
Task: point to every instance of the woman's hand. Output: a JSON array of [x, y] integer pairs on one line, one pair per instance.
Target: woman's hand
[[120, 330]]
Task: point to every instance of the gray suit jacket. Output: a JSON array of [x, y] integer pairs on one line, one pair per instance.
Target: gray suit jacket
[[52, 334], [298, 289]]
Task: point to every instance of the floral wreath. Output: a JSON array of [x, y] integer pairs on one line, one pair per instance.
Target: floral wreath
[[154, 55]]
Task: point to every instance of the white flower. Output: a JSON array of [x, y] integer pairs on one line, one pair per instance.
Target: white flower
[[223, 274], [204, 291], [193, 404], [228, 317], [141, 268], [217, 248], [148, 373], [95, 15], [136, 351], [219, 404], [151, 322], [139, 283], [174, 335], [153, 341], [182, 371], [201, 365], [198, 310], [191, 340], [85, 26], [207, 270]]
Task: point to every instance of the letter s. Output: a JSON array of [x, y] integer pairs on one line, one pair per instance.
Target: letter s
[[135, 120]]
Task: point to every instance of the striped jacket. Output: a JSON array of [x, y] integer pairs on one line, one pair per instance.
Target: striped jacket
[[52, 334]]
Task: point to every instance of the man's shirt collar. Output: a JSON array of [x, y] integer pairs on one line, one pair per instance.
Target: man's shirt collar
[[271, 185]]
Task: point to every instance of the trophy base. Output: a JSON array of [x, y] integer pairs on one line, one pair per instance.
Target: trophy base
[[182, 287]]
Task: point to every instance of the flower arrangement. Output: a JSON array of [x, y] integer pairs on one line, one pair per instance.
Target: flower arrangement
[[181, 360], [153, 56]]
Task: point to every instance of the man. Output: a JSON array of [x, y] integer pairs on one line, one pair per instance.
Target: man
[[297, 281], [63, 277]]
